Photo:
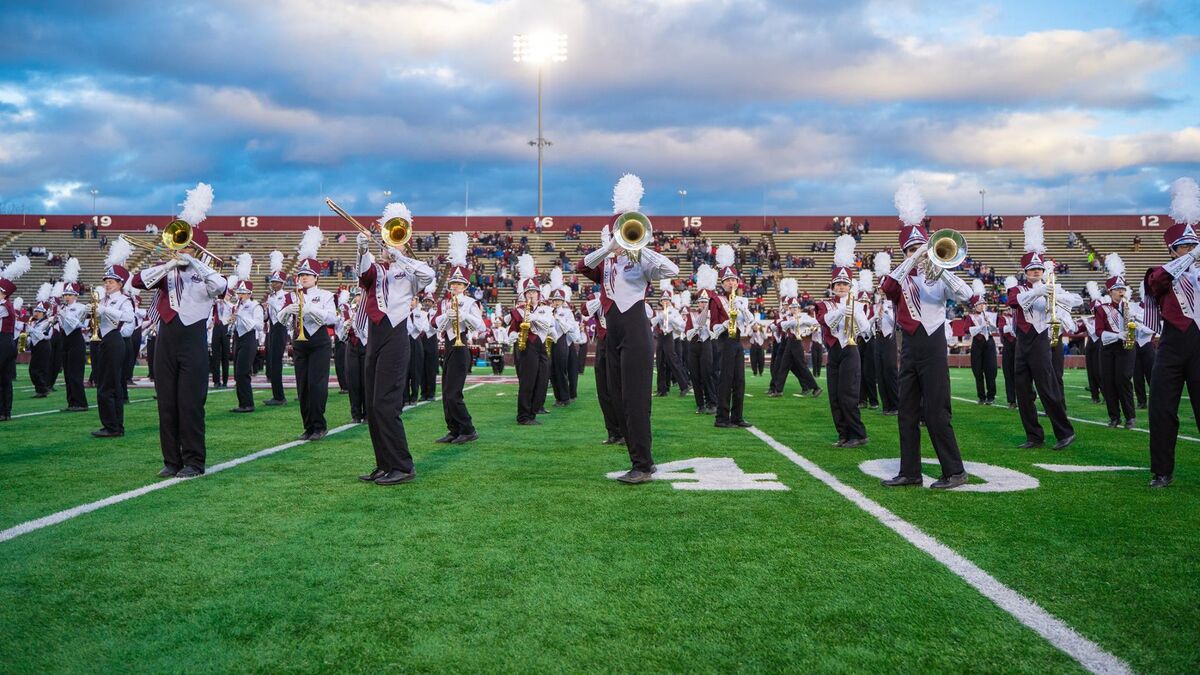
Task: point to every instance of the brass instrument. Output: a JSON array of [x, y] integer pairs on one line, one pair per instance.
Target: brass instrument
[[732, 328], [95, 337], [22, 341], [1130, 326], [947, 250], [396, 232], [1052, 309], [523, 334], [300, 314], [851, 324], [457, 335], [176, 236], [633, 232]]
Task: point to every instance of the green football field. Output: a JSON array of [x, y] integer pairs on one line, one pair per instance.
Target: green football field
[[516, 553]]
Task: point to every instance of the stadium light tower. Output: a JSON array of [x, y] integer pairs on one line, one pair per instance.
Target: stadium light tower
[[540, 49], [982, 202], [94, 192], [682, 194]]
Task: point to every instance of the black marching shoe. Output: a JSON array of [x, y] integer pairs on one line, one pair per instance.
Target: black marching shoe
[[1064, 442], [304, 436], [1161, 481], [710, 410], [635, 477], [446, 439], [950, 482], [167, 472], [856, 442], [395, 478], [1113, 423], [40, 394], [1130, 422], [723, 425], [105, 433], [242, 409], [816, 392], [371, 477], [840, 442], [542, 411], [1012, 406], [903, 481], [890, 413], [699, 411], [75, 408], [189, 472], [529, 423], [274, 401], [466, 438], [318, 435], [1028, 445], [611, 440], [743, 424]]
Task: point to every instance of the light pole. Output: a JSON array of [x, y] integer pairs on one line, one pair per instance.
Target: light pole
[[982, 203], [682, 194], [387, 197], [94, 192], [539, 49]]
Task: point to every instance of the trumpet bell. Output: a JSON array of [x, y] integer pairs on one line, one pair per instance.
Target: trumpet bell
[[396, 232], [633, 231], [947, 249]]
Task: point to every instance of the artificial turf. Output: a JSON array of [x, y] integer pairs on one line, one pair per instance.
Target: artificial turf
[[515, 553]]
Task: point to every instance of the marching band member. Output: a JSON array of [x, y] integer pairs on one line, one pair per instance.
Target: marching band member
[[544, 386], [246, 317], [1172, 299], [218, 360], [429, 348], [1033, 363], [1091, 349], [388, 289], [868, 396], [612, 421], [311, 346], [665, 322], [794, 325], [38, 329], [497, 339], [529, 326], [115, 310], [731, 318], [1147, 345], [885, 345], [418, 323], [187, 288], [1008, 341], [564, 323], [71, 317], [758, 340], [983, 333], [816, 350], [578, 351], [355, 331], [339, 341], [8, 327], [1116, 358], [920, 294], [456, 318], [842, 378], [623, 280], [277, 329], [700, 351], [56, 335]]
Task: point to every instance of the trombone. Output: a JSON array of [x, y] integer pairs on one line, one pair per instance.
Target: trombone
[[396, 232], [176, 236]]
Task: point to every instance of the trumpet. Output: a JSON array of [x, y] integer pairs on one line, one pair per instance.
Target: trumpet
[[176, 236], [1130, 326], [300, 314], [396, 232], [633, 232], [947, 250]]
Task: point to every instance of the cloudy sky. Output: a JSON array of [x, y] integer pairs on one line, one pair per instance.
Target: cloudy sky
[[798, 107]]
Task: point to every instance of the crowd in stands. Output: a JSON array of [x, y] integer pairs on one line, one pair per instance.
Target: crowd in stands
[[989, 222]]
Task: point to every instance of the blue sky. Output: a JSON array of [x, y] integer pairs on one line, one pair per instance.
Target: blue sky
[[806, 107]]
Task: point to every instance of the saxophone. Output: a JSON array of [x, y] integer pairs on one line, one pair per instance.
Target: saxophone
[[733, 314], [523, 335], [95, 336], [1130, 326], [300, 316], [1052, 310]]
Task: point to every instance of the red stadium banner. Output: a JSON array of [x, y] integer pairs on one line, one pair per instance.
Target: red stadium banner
[[331, 223]]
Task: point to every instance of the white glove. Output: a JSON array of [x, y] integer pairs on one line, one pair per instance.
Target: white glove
[[182, 261], [291, 309]]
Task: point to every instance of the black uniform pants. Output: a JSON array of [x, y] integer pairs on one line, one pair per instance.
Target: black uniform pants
[[1033, 367], [1091, 360], [56, 357], [776, 358], [866, 356], [543, 384], [39, 366], [429, 370], [243, 354], [150, 356], [575, 353], [1116, 379], [670, 368], [312, 378], [842, 379], [1175, 366], [356, 376], [454, 377], [181, 386], [925, 394], [110, 398], [276, 347], [218, 359], [614, 424], [133, 347], [983, 366], [532, 364], [416, 370], [387, 364], [793, 360], [559, 362], [700, 360], [1008, 361], [339, 363], [74, 354], [1143, 366], [629, 343], [818, 357], [1057, 359], [888, 371], [8, 371], [758, 359], [731, 388]]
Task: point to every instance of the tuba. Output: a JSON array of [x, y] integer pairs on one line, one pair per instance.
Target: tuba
[[633, 232], [947, 250]]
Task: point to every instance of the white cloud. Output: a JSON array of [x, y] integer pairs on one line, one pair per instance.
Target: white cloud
[[58, 192]]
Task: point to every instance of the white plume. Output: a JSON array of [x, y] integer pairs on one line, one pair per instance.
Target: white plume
[[431, 288], [627, 194], [977, 289], [456, 254], [43, 292], [556, 278], [310, 243], [843, 251], [706, 278], [1010, 282], [1114, 265], [199, 201], [545, 291], [230, 283], [118, 252], [567, 294], [525, 267], [883, 264], [788, 288], [725, 255], [343, 296], [1035, 235], [1185, 201], [276, 259], [910, 204], [18, 303], [16, 268], [57, 290], [677, 301], [866, 280], [605, 237], [395, 210], [664, 285], [71, 271], [1142, 291], [1106, 299], [1093, 290], [244, 263]]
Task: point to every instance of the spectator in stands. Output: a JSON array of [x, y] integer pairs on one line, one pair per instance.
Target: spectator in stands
[[980, 223], [1137, 242], [1071, 240], [1091, 258], [95, 230], [508, 224]]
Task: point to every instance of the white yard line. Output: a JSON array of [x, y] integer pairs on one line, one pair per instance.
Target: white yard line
[[1088, 654], [68, 514], [93, 407], [1080, 420]]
